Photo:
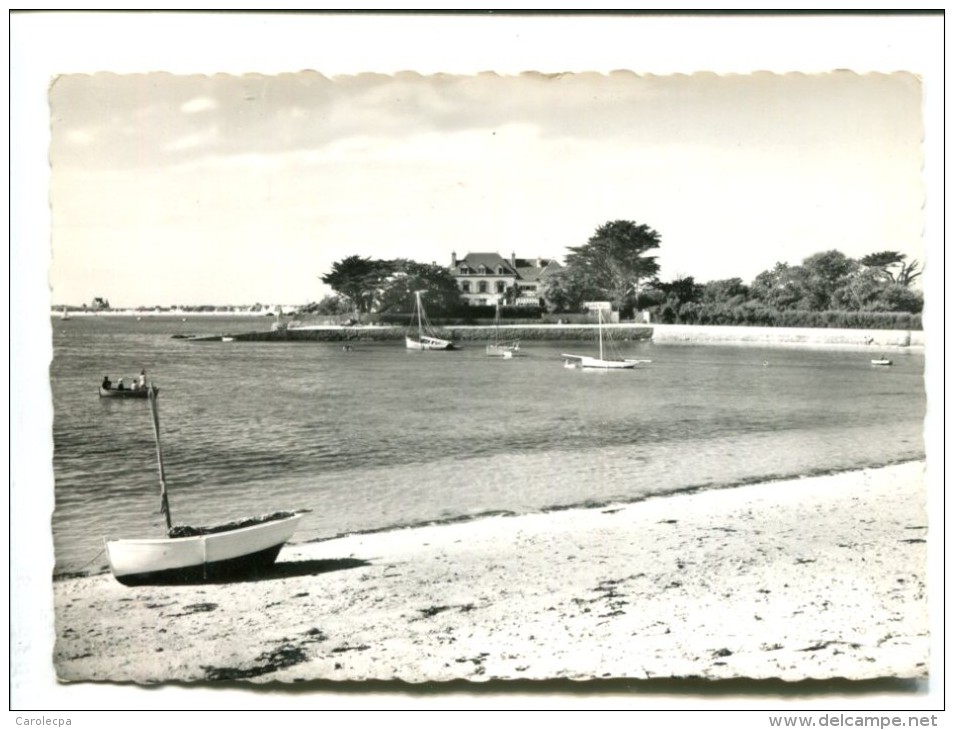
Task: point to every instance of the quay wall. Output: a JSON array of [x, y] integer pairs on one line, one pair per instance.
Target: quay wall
[[658, 333], [800, 336]]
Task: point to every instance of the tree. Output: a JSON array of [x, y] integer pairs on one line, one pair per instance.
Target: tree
[[783, 287], [908, 273], [826, 273], [439, 287], [615, 261], [862, 292], [358, 279], [680, 291], [565, 290], [883, 261], [898, 298], [731, 292]]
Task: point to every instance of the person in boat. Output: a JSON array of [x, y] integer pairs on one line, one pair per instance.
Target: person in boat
[[106, 383], [120, 386], [142, 378]]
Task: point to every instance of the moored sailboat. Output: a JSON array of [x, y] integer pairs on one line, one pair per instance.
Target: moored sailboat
[[422, 336], [601, 362], [506, 349]]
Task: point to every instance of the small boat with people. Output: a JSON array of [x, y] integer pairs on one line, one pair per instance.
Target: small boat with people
[[881, 361], [230, 551], [422, 336], [137, 389], [124, 392]]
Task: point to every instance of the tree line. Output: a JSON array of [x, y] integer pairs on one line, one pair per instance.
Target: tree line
[[617, 264]]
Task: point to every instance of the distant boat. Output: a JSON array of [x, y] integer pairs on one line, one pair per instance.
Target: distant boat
[[125, 392], [602, 362], [880, 361], [64, 314], [198, 554], [228, 339], [501, 349], [423, 336]]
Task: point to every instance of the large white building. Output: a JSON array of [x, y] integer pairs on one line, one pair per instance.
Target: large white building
[[488, 278]]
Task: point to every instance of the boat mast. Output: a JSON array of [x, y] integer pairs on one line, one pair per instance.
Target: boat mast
[[497, 325], [420, 328], [163, 497], [599, 313]]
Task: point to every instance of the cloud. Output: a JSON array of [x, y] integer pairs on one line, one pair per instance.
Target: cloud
[[201, 138], [199, 104]]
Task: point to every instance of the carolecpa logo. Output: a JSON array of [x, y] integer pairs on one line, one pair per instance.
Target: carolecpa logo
[[44, 721]]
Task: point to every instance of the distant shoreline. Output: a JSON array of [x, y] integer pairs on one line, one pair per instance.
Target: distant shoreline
[[58, 313]]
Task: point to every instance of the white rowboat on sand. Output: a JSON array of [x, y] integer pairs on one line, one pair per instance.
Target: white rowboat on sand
[[199, 554]]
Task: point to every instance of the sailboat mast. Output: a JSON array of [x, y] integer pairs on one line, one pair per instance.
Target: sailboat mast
[[599, 313], [497, 325], [163, 497], [420, 328]]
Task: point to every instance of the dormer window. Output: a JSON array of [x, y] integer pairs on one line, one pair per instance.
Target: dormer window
[[464, 269], [500, 269], [483, 269]]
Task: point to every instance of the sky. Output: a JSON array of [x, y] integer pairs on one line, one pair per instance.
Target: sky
[[236, 189]]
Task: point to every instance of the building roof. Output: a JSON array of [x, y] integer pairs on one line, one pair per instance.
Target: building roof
[[491, 260], [526, 269]]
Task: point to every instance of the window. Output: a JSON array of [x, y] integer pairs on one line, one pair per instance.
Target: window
[[465, 286], [501, 287], [482, 287]]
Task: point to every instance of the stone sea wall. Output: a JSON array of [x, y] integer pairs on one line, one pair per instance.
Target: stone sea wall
[[803, 336], [658, 333]]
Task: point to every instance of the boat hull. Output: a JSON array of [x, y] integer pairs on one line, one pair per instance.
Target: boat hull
[[503, 350], [127, 393], [596, 363], [428, 343], [217, 556]]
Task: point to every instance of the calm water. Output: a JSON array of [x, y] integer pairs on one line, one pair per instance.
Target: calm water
[[381, 436]]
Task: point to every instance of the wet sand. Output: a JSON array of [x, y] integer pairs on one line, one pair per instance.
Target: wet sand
[[823, 577]]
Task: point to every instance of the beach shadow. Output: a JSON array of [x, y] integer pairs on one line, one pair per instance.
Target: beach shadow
[[302, 568]]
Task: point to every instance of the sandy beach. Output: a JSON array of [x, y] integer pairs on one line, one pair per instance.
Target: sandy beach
[[822, 577]]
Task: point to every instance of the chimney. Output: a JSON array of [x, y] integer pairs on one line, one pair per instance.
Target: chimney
[[453, 259], [513, 260], [539, 263]]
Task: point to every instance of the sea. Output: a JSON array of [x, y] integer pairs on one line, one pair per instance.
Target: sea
[[380, 437]]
